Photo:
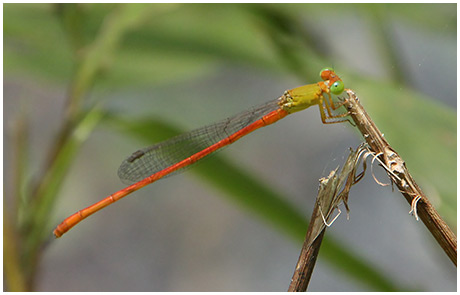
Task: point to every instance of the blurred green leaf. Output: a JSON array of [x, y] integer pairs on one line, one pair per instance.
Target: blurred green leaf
[[98, 55], [177, 41], [27, 49], [37, 220]]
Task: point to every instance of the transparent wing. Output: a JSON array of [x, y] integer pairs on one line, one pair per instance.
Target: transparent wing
[[155, 158]]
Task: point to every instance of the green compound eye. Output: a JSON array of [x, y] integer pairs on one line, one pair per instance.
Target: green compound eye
[[337, 87], [325, 73]]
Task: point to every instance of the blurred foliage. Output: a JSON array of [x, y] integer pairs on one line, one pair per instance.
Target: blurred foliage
[[113, 45]]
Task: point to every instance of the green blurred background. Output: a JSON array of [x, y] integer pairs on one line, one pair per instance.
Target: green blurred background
[[85, 85]]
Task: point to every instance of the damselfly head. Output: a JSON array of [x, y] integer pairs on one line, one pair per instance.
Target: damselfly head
[[333, 81]]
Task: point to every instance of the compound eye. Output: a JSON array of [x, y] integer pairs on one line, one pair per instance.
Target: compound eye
[[337, 87], [326, 73]]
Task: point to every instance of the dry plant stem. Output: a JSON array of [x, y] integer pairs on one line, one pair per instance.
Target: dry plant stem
[[314, 236], [333, 191], [305, 266], [401, 177]]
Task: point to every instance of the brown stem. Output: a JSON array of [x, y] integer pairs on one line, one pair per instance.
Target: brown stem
[[305, 265], [401, 177]]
